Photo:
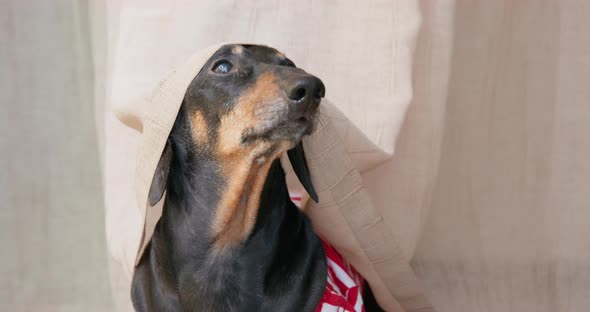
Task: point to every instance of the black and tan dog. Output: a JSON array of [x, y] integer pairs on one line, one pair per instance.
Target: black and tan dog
[[230, 239]]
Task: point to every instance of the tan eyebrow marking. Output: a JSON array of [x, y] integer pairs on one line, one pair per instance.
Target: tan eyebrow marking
[[237, 50], [282, 55]]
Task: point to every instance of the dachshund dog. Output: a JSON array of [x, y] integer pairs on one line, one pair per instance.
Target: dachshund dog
[[230, 239]]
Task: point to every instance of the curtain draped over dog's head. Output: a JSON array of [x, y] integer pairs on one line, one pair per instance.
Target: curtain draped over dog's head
[[344, 216]]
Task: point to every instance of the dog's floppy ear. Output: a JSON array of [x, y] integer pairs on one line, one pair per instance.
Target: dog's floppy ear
[[297, 158], [161, 176]]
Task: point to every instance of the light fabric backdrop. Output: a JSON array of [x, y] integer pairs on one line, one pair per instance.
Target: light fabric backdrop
[[486, 188], [53, 254]]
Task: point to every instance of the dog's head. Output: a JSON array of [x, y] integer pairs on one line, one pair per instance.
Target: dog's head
[[251, 96], [250, 102]]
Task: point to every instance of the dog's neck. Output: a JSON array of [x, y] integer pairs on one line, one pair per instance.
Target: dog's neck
[[273, 259], [237, 208], [219, 205]]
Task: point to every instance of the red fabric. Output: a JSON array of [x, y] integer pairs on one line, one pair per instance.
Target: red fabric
[[344, 286]]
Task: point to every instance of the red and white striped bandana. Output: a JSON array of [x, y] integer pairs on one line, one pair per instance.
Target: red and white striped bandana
[[344, 287]]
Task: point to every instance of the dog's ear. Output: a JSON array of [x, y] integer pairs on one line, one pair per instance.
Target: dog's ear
[[297, 158], [161, 175]]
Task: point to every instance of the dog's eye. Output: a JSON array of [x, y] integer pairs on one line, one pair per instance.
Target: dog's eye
[[287, 62], [222, 67]]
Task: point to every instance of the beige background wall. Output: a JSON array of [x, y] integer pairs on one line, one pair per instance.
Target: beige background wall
[[53, 253]]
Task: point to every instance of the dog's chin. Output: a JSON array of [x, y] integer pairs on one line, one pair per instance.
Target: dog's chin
[[285, 131], [292, 130]]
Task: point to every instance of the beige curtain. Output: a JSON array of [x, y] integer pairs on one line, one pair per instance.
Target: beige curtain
[[507, 226], [481, 111], [53, 255]]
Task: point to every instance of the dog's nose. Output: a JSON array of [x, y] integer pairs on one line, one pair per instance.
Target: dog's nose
[[306, 90]]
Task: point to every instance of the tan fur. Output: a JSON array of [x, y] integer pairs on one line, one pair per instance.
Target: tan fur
[[199, 128], [244, 166], [243, 116], [281, 55], [236, 214], [237, 50], [245, 175]]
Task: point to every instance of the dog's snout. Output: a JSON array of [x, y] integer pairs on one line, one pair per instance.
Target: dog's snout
[[307, 88]]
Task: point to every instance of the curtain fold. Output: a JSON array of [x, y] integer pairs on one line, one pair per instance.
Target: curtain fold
[[507, 226]]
